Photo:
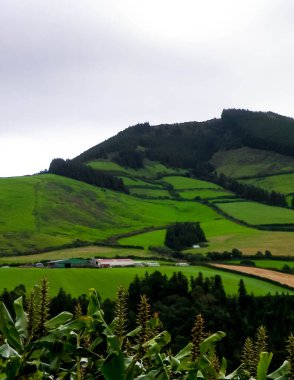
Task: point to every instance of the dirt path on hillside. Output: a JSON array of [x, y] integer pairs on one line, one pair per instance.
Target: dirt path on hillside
[[282, 278]]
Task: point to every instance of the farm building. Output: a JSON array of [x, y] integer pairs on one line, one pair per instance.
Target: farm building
[[69, 263], [112, 263]]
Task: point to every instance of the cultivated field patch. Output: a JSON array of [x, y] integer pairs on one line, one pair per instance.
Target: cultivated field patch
[[282, 278]]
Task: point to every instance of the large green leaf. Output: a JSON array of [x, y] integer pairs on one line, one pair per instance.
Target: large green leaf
[[7, 352], [59, 320], [281, 373], [207, 343], [263, 364], [20, 318], [94, 304], [8, 328], [155, 344], [113, 367]]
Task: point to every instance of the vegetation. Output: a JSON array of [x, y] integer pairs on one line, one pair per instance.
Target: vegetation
[[257, 214], [77, 281], [82, 172], [184, 235], [127, 341], [251, 163]]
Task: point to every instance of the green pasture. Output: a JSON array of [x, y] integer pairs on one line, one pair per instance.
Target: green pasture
[[48, 211], [204, 194], [146, 239], [184, 183], [267, 264], [81, 252], [134, 182], [148, 192], [151, 169], [256, 213], [244, 162], [106, 281], [283, 183], [224, 235]]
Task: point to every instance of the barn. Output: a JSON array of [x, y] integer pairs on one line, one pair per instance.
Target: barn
[[69, 263], [112, 263]]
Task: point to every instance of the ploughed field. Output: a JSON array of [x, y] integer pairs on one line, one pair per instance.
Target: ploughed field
[[282, 278]]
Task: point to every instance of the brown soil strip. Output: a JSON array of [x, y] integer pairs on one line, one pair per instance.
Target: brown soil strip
[[282, 278]]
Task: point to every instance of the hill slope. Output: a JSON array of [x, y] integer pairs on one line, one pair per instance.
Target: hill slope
[[45, 211]]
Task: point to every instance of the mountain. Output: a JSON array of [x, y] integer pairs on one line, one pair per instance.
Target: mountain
[[192, 144], [130, 188]]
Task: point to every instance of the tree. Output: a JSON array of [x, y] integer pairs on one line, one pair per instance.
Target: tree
[[184, 235]]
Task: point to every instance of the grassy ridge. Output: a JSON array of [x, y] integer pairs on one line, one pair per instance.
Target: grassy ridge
[[244, 162], [106, 281], [283, 183]]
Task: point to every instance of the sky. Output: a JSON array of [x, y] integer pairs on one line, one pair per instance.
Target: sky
[[76, 72]]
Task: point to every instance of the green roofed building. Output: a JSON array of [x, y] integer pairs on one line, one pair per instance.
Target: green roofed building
[[69, 263]]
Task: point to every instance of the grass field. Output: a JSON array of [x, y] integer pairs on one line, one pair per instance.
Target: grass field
[[283, 183], [146, 239], [49, 210], [106, 281], [44, 211], [269, 264], [134, 182], [151, 169], [147, 192], [204, 193], [255, 213], [225, 235], [244, 162], [81, 252], [185, 183]]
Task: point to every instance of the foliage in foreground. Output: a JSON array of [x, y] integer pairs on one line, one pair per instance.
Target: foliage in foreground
[[77, 346]]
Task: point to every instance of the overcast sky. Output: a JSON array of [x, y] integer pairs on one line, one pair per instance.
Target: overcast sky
[[75, 72]]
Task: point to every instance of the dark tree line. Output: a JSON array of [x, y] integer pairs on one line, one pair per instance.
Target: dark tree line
[[129, 159], [184, 235], [251, 192], [177, 300], [81, 172]]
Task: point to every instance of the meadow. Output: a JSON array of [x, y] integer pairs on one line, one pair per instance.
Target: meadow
[[245, 162], [106, 281], [283, 183], [185, 183], [151, 169], [258, 214], [149, 192], [267, 264], [80, 252], [205, 194], [47, 210], [224, 235]]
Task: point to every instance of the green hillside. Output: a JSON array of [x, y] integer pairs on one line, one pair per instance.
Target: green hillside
[[168, 173], [47, 211], [249, 162]]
